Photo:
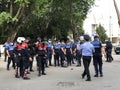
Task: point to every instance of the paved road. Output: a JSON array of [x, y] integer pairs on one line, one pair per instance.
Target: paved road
[[63, 78]]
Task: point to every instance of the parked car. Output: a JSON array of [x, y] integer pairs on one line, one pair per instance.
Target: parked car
[[117, 49]]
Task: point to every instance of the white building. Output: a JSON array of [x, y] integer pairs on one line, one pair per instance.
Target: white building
[[103, 13]]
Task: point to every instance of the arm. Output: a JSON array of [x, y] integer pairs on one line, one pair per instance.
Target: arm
[[103, 51]]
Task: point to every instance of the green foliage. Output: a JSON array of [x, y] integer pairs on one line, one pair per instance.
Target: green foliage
[[5, 17], [102, 33], [21, 2], [46, 18]]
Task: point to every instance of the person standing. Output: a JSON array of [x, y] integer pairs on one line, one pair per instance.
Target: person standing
[[62, 53], [97, 56], [78, 54], [87, 51], [49, 52], [5, 50], [56, 53], [26, 58], [108, 50], [41, 54], [10, 54], [68, 51]]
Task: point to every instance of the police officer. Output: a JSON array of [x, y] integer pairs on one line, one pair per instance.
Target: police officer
[[68, 52], [78, 54], [31, 50], [41, 55], [87, 50], [56, 52], [26, 57], [49, 51], [5, 53], [10, 54], [97, 56], [19, 60], [62, 53]]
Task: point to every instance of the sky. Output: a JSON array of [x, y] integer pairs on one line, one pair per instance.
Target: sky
[[101, 13]]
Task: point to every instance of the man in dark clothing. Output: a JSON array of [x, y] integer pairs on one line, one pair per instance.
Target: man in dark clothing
[[97, 56], [108, 50], [41, 57]]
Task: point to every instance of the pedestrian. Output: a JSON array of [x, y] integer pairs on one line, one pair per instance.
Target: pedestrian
[[49, 51], [87, 51], [26, 58], [56, 53], [78, 54], [97, 56], [19, 72], [108, 50], [10, 54], [5, 49], [41, 55], [68, 51], [62, 53]]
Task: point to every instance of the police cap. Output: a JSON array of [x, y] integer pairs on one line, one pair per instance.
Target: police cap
[[86, 37]]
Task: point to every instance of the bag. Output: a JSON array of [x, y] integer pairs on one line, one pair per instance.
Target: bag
[[65, 63]]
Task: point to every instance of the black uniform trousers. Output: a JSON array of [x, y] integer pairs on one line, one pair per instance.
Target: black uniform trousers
[[97, 61], [19, 64], [69, 58], [56, 57], [41, 64], [31, 63], [109, 56], [86, 63], [49, 54], [11, 58]]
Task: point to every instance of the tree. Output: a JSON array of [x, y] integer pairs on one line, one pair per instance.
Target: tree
[[46, 18], [13, 15], [102, 33]]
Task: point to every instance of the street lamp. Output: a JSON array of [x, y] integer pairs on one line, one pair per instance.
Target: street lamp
[[110, 31]]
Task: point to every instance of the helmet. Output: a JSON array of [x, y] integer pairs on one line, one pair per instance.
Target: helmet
[[81, 38], [20, 39]]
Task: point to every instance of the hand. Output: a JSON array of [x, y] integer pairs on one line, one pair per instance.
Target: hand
[[8, 55], [30, 59], [19, 54], [105, 55]]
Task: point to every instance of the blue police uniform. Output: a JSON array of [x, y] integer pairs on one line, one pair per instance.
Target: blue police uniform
[[87, 51], [10, 49], [62, 54], [57, 54], [68, 54], [97, 58], [5, 53], [49, 52]]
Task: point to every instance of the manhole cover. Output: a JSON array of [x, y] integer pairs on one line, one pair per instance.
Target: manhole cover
[[66, 84]]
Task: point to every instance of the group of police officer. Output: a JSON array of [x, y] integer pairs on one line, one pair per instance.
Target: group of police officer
[[22, 55]]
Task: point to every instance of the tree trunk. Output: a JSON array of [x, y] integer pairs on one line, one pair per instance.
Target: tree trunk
[[71, 20], [2, 33], [14, 32]]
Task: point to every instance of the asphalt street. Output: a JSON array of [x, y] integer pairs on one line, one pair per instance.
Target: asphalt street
[[58, 78]]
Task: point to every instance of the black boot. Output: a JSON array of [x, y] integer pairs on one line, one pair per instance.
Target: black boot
[[96, 75], [88, 79]]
